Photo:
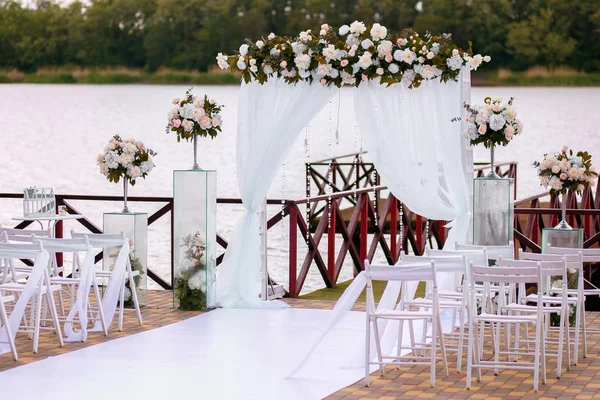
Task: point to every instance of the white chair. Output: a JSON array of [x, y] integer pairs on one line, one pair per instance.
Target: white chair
[[504, 276], [81, 282], [115, 240], [425, 272], [552, 266], [451, 268], [587, 255], [5, 326], [36, 287]]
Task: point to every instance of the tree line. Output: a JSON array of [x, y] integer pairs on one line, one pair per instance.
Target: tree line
[[187, 34]]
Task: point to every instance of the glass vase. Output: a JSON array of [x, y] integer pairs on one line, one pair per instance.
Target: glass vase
[[125, 186], [563, 225], [492, 174], [195, 167]]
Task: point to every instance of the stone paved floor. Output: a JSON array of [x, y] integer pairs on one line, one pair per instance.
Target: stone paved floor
[[582, 382]]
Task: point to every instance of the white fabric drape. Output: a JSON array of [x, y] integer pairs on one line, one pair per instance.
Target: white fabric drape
[[270, 118], [417, 149], [80, 305]]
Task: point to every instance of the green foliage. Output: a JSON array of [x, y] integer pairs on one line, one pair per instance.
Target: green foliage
[[192, 278], [136, 265], [187, 34]]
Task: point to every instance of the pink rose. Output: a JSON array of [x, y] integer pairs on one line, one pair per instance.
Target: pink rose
[[344, 63], [205, 122], [325, 27], [563, 176], [176, 123], [323, 81], [283, 64], [496, 107], [565, 149], [364, 77], [482, 129], [400, 41], [140, 145], [389, 58]]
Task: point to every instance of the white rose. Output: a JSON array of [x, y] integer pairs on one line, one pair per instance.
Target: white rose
[[357, 28], [365, 60], [393, 68], [405, 55], [323, 69], [347, 79], [379, 71], [344, 29], [222, 61], [487, 59], [384, 48], [268, 69], [302, 61], [378, 32], [271, 36], [260, 44], [243, 50], [430, 55], [253, 69], [455, 62], [366, 44], [304, 36]]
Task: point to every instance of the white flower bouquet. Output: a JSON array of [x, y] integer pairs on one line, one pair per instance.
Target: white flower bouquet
[[566, 170], [128, 159], [492, 123], [350, 55]]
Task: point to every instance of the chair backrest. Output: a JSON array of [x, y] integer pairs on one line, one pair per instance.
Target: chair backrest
[[414, 272], [589, 255], [512, 272], [25, 232], [573, 260], [547, 267], [478, 257], [64, 245], [101, 240], [493, 252], [445, 263]]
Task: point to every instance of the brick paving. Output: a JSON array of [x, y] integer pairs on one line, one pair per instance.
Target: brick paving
[[581, 382]]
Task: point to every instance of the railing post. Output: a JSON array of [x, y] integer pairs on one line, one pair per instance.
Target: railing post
[[364, 229], [394, 228], [419, 233], [331, 242], [293, 254], [442, 232]]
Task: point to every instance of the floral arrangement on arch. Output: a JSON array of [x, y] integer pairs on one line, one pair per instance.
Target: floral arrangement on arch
[[194, 116], [492, 123], [128, 159], [566, 170], [350, 55], [190, 279]]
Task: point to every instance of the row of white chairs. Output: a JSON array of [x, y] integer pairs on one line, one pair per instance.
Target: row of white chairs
[[33, 287], [487, 297]]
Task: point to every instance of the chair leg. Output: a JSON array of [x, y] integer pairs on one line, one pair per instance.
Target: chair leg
[[378, 348], [37, 311], [54, 314], [470, 347], [11, 340], [461, 338], [479, 350], [496, 348], [440, 334], [561, 335], [536, 362], [578, 320], [136, 302], [367, 349], [584, 327], [433, 351], [121, 306], [100, 307], [399, 345]]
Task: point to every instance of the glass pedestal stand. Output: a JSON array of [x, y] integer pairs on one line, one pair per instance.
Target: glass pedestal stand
[[195, 239], [493, 211], [135, 228]]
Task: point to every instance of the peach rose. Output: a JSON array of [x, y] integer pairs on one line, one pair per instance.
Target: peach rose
[[176, 123], [205, 122]]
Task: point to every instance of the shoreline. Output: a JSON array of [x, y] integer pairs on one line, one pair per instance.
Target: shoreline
[[116, 77]]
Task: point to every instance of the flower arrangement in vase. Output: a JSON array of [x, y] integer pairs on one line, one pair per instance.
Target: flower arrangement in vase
[[492, 123], [191, 277], [194, 116], [128, 160], [564, 171]]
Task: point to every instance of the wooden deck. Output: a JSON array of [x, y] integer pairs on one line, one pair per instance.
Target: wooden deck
[[582, 382]]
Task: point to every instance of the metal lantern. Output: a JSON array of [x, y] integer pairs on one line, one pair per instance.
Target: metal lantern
[[39, 202]]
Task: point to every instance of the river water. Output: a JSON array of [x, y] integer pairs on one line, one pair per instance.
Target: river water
[[53, 133]]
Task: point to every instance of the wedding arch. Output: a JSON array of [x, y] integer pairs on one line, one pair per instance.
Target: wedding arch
[[409, 87]]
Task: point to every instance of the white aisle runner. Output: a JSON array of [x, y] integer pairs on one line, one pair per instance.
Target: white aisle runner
[[224, 354]]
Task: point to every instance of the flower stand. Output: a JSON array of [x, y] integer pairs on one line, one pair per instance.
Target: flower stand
[[135, 228], [493, 203], [195, 239]]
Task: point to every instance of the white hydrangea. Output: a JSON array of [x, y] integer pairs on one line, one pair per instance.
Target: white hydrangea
[[366, 44], [323, 70], [344, 29], [352, 40], [497, 122], [393, 68], [187, 111], [197, 282], [275, 52], [408, 77], [384, 48], [455, 62], [267, 69], [298, 48]]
